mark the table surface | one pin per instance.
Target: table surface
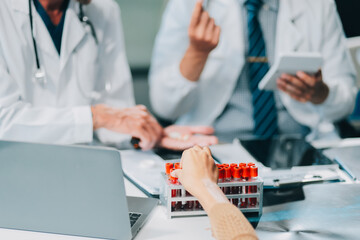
(321, 211)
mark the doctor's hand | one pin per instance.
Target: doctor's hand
(135, 121)
(204, 36)
(179, 138)
(304, 87)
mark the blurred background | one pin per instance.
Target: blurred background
(141, 20)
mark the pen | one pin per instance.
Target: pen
(343, 167)
(135, 142)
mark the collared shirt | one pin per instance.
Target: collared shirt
(55, 31)
(237, 117)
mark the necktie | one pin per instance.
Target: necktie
(265, 114)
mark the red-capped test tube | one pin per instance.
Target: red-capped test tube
(179, 192)
(224, 165)
(168, 167)
(232, 166)
(241, 165)
(221, 177)
(227, 179)
(253, 189)
(245, 177)
(174, 181)
(236, 190)
(188, 205)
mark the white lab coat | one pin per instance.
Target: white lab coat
(306, 25)
(60, 111)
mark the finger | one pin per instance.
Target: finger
(309, 80)
(284, 87)
(207, 150)
(174, 144)
(176, 173)
(204, 20)
(204, 141)
(290, 88)
(216, 35)
(141, 107)
(306, 90)
(195, 18)
(151, 132)
(209, 32)
(157, 127)
(206, 130)
(197, 148)
(297, 83)
(145, 138)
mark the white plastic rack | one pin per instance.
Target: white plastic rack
(179, 203)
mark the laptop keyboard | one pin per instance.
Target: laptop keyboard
(133, 218)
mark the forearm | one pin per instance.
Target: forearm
(193, 63)
(227, 222)
(22, 122)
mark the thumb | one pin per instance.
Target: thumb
(176, 173)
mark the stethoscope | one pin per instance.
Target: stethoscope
(40, 76)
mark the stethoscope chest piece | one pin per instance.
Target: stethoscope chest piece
(40, 77)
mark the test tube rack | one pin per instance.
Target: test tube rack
(184, 205)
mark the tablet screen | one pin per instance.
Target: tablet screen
(285, 153)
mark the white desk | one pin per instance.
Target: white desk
(157, 227)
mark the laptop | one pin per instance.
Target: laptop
(69, 190)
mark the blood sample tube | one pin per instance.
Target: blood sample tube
(242, 165)
(224, 165)
(253, 189)
(174, 181)
(242, 189)
(232, 167)
(168, 167)
(227, 179)
(179, 192)
(222, 177)
(251, 164)
(245, 177)
(177, 165)
(236, 190)
(189, 205)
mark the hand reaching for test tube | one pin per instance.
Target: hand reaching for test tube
(204, 36)
(199, 175)
(183, 137)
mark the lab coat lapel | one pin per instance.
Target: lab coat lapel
(289, 38)
(41, 34)
(73, 33)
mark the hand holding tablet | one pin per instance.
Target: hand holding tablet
(299, 76)
(291, 63)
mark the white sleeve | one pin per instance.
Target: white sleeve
(115, 70)
(171, 94)
(20, 121)
(338, 71)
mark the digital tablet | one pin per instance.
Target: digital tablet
(291, 63)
